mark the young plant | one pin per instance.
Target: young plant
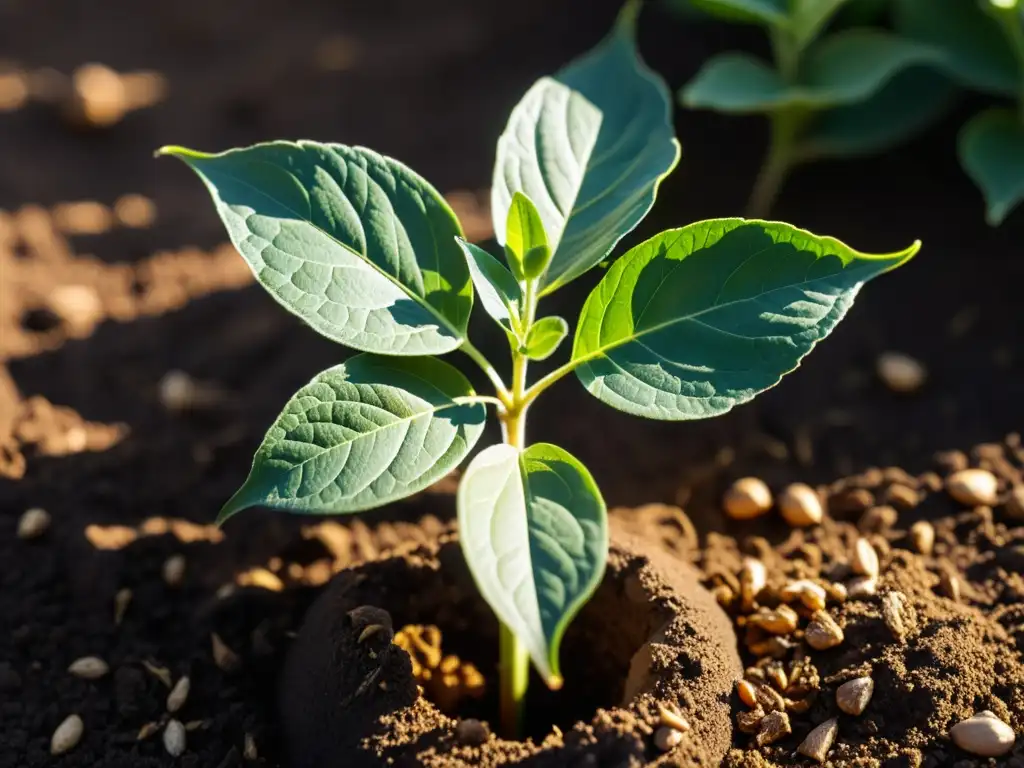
(683, 326)
(848, 93)
(981, 46)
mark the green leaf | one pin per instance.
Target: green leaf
(524, 231)
(354, 243)
(534, 532)
(971, 45)
(544, 337)
(361, 434)
(700, 319)
(809, 17)
(991, 149)
(844, 68)
(498, 290)
(907, 104)
(772, 13)
(589, 146)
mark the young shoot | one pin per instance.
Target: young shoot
(686, 325)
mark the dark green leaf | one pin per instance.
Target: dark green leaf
(534, 532)
(544, 337)
(354, 243)
(991, 149)
(700, 319)
(370, 431)
(773, 13)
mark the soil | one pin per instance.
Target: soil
(650, 638)
(130, 482)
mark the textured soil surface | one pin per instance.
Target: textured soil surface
(102, 295)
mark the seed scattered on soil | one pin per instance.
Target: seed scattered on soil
(747, 693)
(667, 739)
(163, 674)
(773, 727)
(893, 613)
(949, 583)
(819, 741)
(174, 738)
(249, 751)
(878, 519)
(800, 505)
(471, 732)
(823, 632)
(854, 695)
(862, 586)
(33, 523)
(174, 570)
(900, 373)
(922, 535)
(67, 735)
(747, 498)
(147, 730)
(179, 695)
(121, 601)
(1015, 502)
(225, 658)
(753, 578)
(865, 559)
(901, 496)
(983, 734)
(781, 621)
(810, 594)
(672, 719)
(973, 487)
(89, 668)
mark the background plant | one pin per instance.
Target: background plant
(685, 325)
(842, 93)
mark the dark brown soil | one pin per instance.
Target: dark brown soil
(83, 433)
(650, 638)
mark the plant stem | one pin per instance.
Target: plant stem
(781, 155)
(477, 357)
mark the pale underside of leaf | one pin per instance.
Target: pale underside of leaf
(991, 149)
(534, 533)
(698, 320)
(353, 242)
(361, 434)
(589, 147)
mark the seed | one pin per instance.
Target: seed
(249, 751)
(983, 734)
(67, 735)
(177, 391)
(174, 570)
(782, 621)
(163, 674)
(773, 727)
(753, 578)
(471, 732)
(747, 498)
(724, 595)
(973, 487)
(667, 739)
(778, 677)
(178, 695)
(853, 696)
(823, 632)
(922, 534)
(878, 519)
(369, 631)
(672, 719)
(174, 738)
(147, 730)
(33, 523)
(820, 740)
(775, 647)
(89, 668)
(1015, 502)
(901, 496)
(893, 610)
(950, 586)
(747, 693)
(121, 601)
(800, 505)
(900, 373)
(862, 586)
(865, 559)
(810, 594)
(224, 657)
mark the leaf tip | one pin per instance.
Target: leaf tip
(628, 15)
(182, 153)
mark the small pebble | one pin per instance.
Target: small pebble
(747, 498)
(902, 496)
(922, 534)
(178, 695)
(67, 735)
(800, 505)
(174, 570)
(753, 578)
(174, 738)
(471, 732)
(89, 668)
(819, 741)
(973, 487)
(983, 734)
(33, 523)
(810, 594)
(667, 739)
(900, 373)
(950, 585)
(773, 727)
(177, 391)
(854, 695)
(823, 632)
(865, 559)
(781, 621)
(893, 613)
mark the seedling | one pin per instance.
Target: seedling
(981, 46)
(851, 92)
(686, 325)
